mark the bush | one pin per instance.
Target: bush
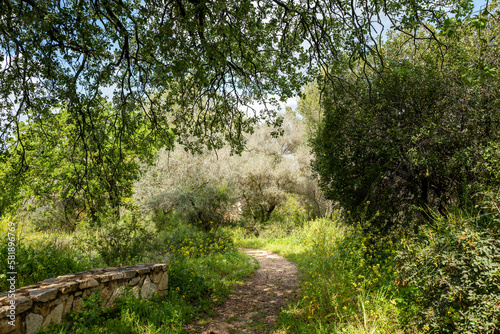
(52, 217)
(206, 206)
(42, 259)
(450, 278)
(290, 214)
(187, 240)
(345, 278)
(122, 241)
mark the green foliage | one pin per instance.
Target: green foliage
(450, 278)
(44, 258)
(206, 206)
(489, 204)
(50, 217)
(346, 279)
(192, 188)
(412, 133)
(310, 109)
(180, 66)
(290, 215)
(215, 189)
(188, 281)
(92, 313)
(185, 67)
(125, 241)
(129, 315)
(187, 240)
(71, 174)
(195, 286)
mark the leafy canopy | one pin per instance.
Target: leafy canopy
(193, 66)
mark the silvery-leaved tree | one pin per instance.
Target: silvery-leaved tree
(214, 188)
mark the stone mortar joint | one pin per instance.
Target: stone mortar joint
(49, 301)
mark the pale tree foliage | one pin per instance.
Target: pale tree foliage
(212, 188)
(194, 186)
(309, 107)
(274, 167)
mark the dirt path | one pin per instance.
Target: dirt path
(254, 306)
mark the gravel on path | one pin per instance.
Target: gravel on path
(254, 306)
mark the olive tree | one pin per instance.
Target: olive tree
(212, 188)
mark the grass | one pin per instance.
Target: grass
(346, 279)
(195, 286)
(203, 269)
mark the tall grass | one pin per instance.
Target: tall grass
(203, 268)
(347, 279)
(196, 284)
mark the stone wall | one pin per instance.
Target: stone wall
(50, 300)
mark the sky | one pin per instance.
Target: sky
(479, 4)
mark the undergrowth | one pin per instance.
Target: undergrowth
(196, 284)
(346, 279)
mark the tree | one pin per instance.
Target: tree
(196, 187)
(82, 173)
(309, 108)
(210, 189)
(415, 134)
(186, 65)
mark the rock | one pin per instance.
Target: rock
(143, 270)
(135, 280)
(162, 267)
(118, 292)
(50, 281)
(55, 316)
(106, 292)
(6, 327)
(148, 288)
(43, 295)
(33, 322)
(129, 273)
(68, 287)
(68, 305)
(156, 276)
(4, 311)
(163, 284)
(88, 282)
(77, 304)
(135, 291)
(23, 304)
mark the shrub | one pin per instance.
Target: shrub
(206, 206)
(290, 214)
(187, 280)
(450, 278)
(47, 217)
(122, 241)
(44, 258)
(345, 278)
(187, 240)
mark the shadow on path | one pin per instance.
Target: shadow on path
(254, 306)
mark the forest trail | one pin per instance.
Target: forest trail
(254, 306)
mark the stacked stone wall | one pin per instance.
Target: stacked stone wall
(35, 306)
